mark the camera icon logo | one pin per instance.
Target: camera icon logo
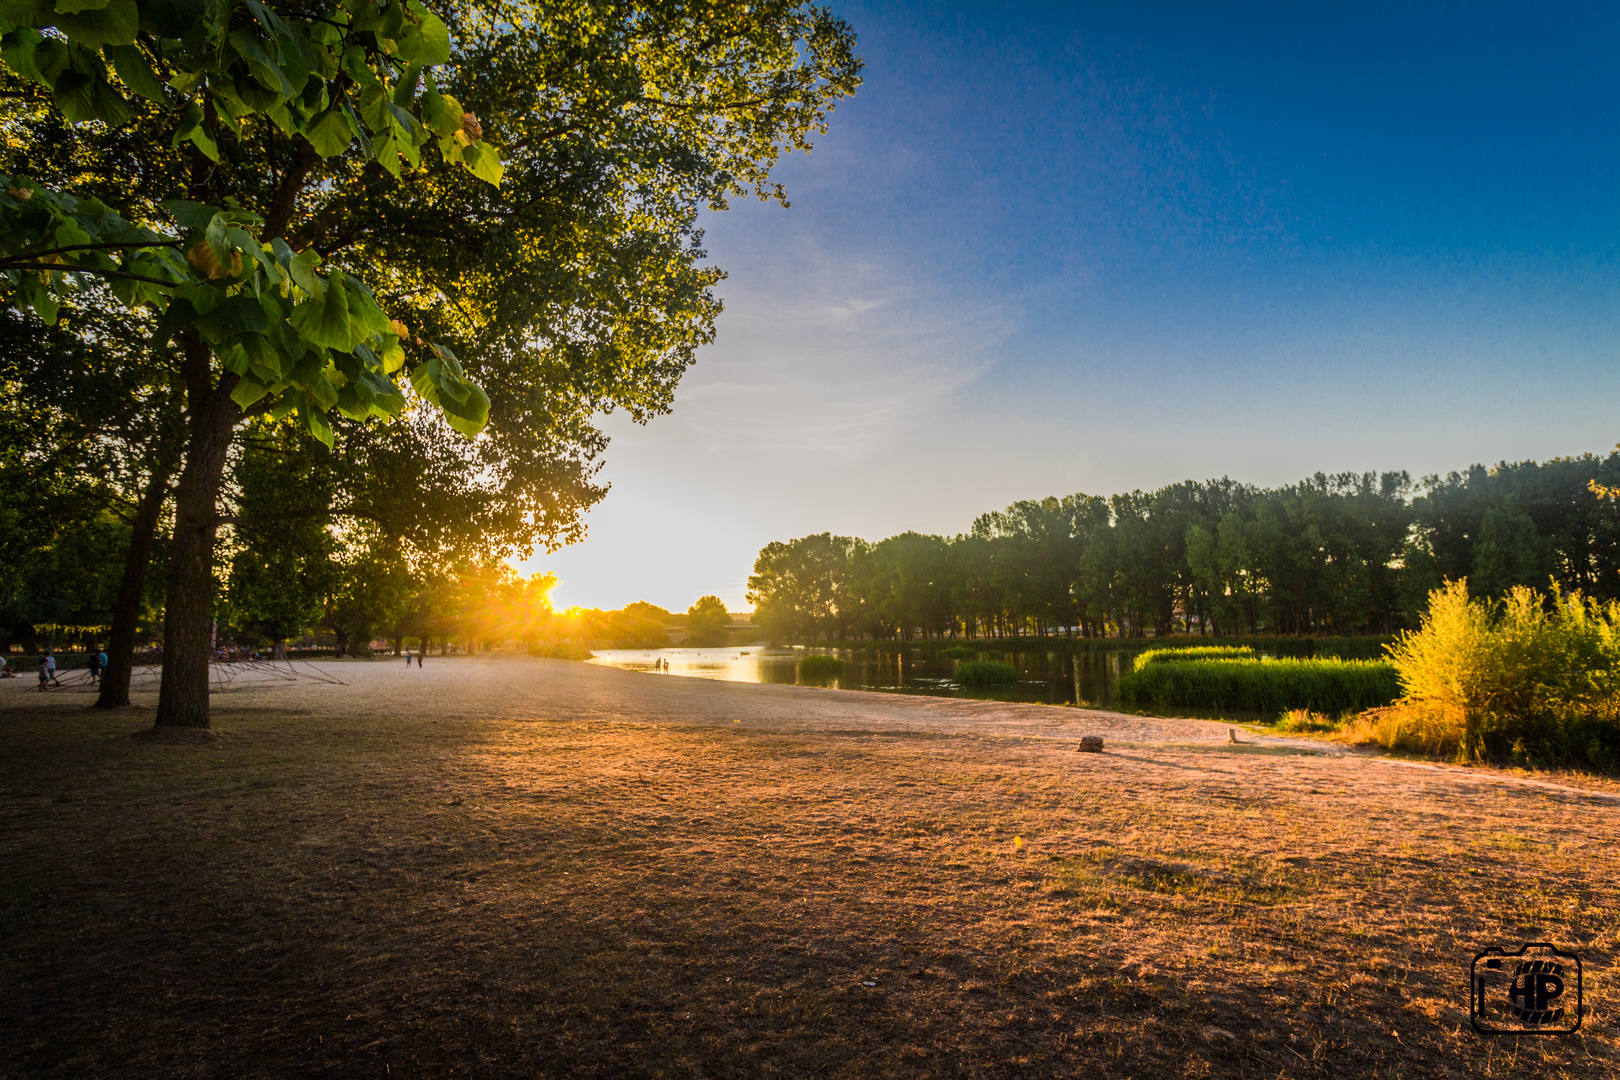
(1534, 991)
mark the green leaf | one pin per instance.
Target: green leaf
(392, 354)
(441, 113)
(374, 110)
(367, 317)
(27, 12)
(71, 7)
(325, 320)
(235, 315)
(83, 96)
(428, 42)
(302, 268)
(193, 217)
(440, 382)
(405, 89)
(324, 389)
(190, 127)
(330, 135)
(484, 162)
(316, 424)
(40, 298)
(248, 391)
(17, 50)
(114, 24)
(132, 66)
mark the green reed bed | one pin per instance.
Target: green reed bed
(986, 673)
(1263, 686)
(820, 668)
(1196, 652)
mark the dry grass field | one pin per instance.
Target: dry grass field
(516, 868)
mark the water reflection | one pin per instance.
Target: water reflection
(1047, 675)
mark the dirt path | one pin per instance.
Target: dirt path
(533, 868)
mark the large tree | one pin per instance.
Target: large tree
(318, 205)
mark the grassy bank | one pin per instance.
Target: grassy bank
(1269, 687)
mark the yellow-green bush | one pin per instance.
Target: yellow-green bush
(1533, 677)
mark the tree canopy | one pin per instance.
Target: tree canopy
(353, 211)
(1347, 554)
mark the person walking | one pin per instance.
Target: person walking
(407, 658)
(95, 662)
(50, 668)
(419, 654)
(44, 675)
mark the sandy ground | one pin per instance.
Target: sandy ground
(518, 868)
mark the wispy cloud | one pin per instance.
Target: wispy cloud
(837, 362)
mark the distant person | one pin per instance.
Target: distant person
(44, 674)
(50, 668)
(98, 660)
(407, 658)
(419, 654)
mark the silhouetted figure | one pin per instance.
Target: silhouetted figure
(44, 675)
(407, 658)
(50, 669)
(97, 660)
(419, 659)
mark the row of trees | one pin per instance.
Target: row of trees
(438, 238)
(389, 536)
(1345, 554)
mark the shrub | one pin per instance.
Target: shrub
(1197, 652)
(820, 668)
(986, 673)
(1262, 686)
(1303, 721)
(1535, 677)
(957, 652)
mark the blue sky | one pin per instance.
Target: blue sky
(1112, 246)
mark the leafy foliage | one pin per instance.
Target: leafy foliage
(340, 76)
(1348, 554)
(707, 622)
(1330, 686)
(1535, 676)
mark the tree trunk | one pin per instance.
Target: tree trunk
(188, 616)
(127, 606)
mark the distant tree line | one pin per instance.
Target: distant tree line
(1345, 554)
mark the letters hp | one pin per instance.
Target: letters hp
(1534, 991)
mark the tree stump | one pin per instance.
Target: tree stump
(1091, 744)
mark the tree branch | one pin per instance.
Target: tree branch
(61, 268)
(97, 247)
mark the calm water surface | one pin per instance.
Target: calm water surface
(1049, 676)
